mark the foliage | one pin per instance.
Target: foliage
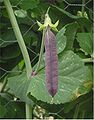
(75, 53)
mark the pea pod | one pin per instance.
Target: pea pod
(51, 62)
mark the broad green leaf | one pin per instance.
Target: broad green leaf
(20, 88)
(20, 13)
(17, 70)
(70, 33)
(86, 42)
(72, 74)
(61, 40)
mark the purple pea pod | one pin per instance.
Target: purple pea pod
(51, 62)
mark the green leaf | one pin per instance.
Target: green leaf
(21, 13)
(29, 4)
(72, 74)
(70, 33)
(2, 111)
(86, 42)
(85, 102)
(9, 52)
(10, 108)
(1, 0)
(61, 40)
(7, 38)
(21, 87)
(86, 106)
(85, 24)
(15, 2)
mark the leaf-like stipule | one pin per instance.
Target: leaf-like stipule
(51, 62)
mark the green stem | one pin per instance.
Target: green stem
(83, 9)
(41, 51)
(22, 47)
(75, 116)
(28, 111)
(19, 37)
(88, 60)
(82, 115)
(48, 10)
(4, 84)
(42, 46)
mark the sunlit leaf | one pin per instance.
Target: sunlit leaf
(70, 34)
(86, 42)
(61, 40)
(72, 74)
(20, 13)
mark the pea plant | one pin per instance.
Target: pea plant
(46, 66)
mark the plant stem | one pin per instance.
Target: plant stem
(41, 51)
(22, 47)
(28, 111)
(88, 60)
(4, 84)
(19, 37)
(83, 9)
(82, 115)
(75, 116)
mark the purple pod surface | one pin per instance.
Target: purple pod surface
(51, 62)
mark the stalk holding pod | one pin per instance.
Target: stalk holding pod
(51, 58)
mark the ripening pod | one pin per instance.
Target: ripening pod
(51, 62)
